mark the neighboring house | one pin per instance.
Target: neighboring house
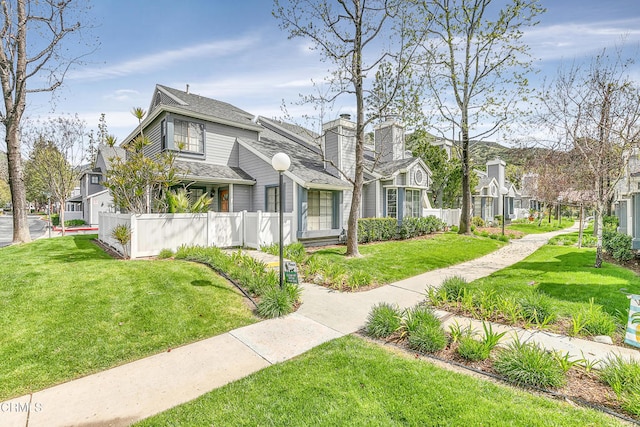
(93, 197)
(627, 201)
(494, 193)
(226, 152)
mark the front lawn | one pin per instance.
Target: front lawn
(567, 275)
(537, 227)
(387, 262)
(353, 382)
(68, 310)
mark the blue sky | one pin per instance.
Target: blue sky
(234, 51)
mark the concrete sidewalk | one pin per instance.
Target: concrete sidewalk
(125, 394)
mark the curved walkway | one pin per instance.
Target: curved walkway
(125, 394)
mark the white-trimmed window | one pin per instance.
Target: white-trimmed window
(272, 202)
(412, 203)
(188, 135)
(392, 202)
(95, 179)
(319, 210)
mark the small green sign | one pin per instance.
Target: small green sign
(290, 272)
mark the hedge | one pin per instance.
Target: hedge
(377, 229)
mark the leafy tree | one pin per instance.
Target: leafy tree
(592, 114)
(33, 58)
(346, 32)
(53, 165)
(474, 52)
(179, 201)
(138, 183)
(96, 140)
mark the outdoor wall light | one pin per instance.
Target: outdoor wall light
(281, 163)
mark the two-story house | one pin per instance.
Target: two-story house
(494, 194)
(227, 153)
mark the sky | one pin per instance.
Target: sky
(234, 51)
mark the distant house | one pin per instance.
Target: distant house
(226, 152)
(627, 201)
(495, 194)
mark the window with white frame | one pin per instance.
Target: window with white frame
(272, 202)
(392, 202)
(319, 210)
(189, 136)
(95, 179)
(412, 203)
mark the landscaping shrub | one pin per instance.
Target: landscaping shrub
(358, 279)
(610, 222)
(529, 365)
(413, 227)
(294, 251)
(278, 302)
(618, 245)
(377, 229)
(476, 221)
(623, 376)
(592, 320)
(472, 349)
(428, 338)
(453, 287)
(417, 316)
(165, 253)
(537, 308)
(55, 221)
(383, 320)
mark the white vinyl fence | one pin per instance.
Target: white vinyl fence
(150, 233)
(69, 215)
(449, 216)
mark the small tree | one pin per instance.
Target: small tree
(136, 182)
(593, 115)
(54, 163)
(122, 233)
(474, 52)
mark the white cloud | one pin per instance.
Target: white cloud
(164, 59)
(122, 95)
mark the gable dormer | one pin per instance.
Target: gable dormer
(162, 96)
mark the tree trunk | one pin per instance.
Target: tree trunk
(465, 213)
(61, 216)
(598, 224)
(580, 230)
(16, 184)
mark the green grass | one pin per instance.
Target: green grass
(544, 227)
(352, 382)
(566, 274)
(68, 309)
(391, 261)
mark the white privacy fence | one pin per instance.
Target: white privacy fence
(69, 215)
(150, 233)
(449, 216)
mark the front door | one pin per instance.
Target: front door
(224, 200)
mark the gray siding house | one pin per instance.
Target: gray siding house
(488, 200)
(227, 152)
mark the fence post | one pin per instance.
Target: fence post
(133, 249)
(257, 230)
(243, 228)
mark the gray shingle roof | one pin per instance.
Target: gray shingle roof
(210, 172)
(389, 168)
(305, 163)
(207, 106)
(109, 152)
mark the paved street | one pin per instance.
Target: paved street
(37, 228)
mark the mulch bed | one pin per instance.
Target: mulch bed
(581, 387)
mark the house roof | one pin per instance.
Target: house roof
(199, 104)
(300, 134)
(306, 167)
(204, 172)
(388, 169)
(109, 152)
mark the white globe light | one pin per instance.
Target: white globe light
(280, 162)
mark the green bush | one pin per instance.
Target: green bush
(610, 222)
(428, 338)
(618, 245)
(593, 320)
(476, 221)
(453, 287)
(413, 227)
(417, 316)
(383, 320)
(529, 365)
(377, 229)
(278, 302)
(623, 376)
(537, 308)
(294, 251)
(358, 279)
(472, 349)
(165, 253)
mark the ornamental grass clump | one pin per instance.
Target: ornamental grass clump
(537, 308)
(413, 318)
(528, 364)
(383, 320)
(278, 302)
(623, 376)
(453, 287)
(428, 338)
